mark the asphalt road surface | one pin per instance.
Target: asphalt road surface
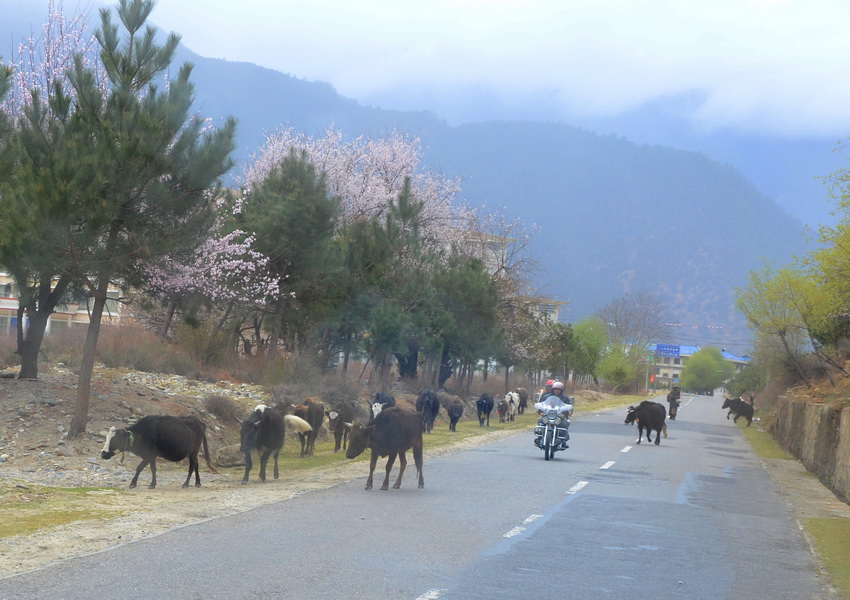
(696, 518)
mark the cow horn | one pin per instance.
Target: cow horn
(237, 419)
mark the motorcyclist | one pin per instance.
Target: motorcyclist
(557, 400)
(547, 389)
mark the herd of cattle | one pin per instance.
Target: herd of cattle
(390, 431)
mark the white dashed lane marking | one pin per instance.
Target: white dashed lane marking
(626, 449)
(577, 487)
(518, 530)
(607, 465)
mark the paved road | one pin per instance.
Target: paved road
(694, 518)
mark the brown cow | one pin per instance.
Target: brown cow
(313, 412)
(391, 433)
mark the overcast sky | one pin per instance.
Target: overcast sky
(761, 66)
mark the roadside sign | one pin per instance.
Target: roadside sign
(669, 350)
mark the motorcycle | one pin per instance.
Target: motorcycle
(552, 431)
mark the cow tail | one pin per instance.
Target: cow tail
(664, 429)
(207, 454)
(301, 426)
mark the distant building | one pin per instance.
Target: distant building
(670, 359)
(67, 314)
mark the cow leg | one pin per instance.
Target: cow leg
(264, 460)
(193, 468)
(153, 474)
(390, 463)
(640, 435)
(303, 438)
(141, 466)
(402, 464)
(657, 437)
(372, 462)
(276, 471)
(248, 464)
(417, 460)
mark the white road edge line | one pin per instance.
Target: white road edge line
(577, 487)
(608, 465)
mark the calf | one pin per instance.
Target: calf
(391, 433)
(650, 416)
(502, 410)
(455, 411)
(740, 408)
(381, 402)
(484, 406)
(161, 436)
(428, 404)
(264, 431)
(340, 418)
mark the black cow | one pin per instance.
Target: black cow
(650, 416)
(391, 433)
(264, 431)
(455, 411)
(340, 418)
(523, 399)
(161, 436)
(428, 404)
(382, 401)
(484, 406)
(740, 408)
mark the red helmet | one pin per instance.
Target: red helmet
(550, 382)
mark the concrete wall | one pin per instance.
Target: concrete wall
(819, 436)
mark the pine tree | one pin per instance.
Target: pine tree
(147, 169)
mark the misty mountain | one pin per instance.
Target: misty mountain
(609, 216)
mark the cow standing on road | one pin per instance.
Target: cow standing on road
(391, 433)
(650, 416)
(161, 436)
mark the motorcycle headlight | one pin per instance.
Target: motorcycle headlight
(552, 414)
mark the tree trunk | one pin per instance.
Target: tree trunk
(277, 329)
(81, 406)
(446, 369)
(169, 316)
(31, 346)
(39, 310)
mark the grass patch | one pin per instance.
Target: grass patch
(832, 542)
(26, 509)
(763, 443)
